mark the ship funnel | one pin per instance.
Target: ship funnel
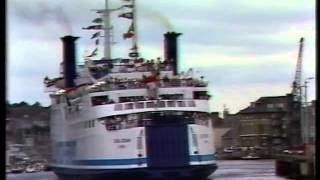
(69, 60)
(171, 49)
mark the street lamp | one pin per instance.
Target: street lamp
(305, 89)
(305, 121)
(303, 111)
(306, 115)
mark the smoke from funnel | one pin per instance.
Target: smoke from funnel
(157, 16)
(62, 18)
(41, 13)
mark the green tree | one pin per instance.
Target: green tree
(37, 104)
(22, 103)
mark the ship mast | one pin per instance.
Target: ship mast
(107, 28)
(134, 21)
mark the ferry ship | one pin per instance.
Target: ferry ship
(114, 117)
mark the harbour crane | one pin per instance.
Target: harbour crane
(296, 86)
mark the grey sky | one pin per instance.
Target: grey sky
(246, 49)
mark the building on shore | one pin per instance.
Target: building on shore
(309, 112)
(271, 122)
(220, 127)
(231, 137)
(27, 133)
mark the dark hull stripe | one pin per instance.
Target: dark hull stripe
(196, 171)
(209, 157)
(106, 162)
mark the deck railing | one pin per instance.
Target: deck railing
(154, 104)
(113, 86)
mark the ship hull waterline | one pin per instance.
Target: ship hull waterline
(189, 172)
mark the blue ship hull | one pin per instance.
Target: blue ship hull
(198, 172)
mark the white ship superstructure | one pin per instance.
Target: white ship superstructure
(129, 116)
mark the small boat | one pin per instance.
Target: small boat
(17, 170)
(251, 156)
(39, 167)
(8, 170)
(30, 169)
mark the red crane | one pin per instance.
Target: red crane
(296, 85)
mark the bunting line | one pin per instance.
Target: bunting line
(93, 27)
(128, 15)
(94, 52)
(95, 35)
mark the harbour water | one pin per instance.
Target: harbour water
(227, 169)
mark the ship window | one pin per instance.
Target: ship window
(129, 106)
(171, 104)
(161, 104)
(118, 107)
(131, 99)
(200, 95)
(171, 96)
(191, 104)
(150, 104)
(139, 105)
(99, 100)
(181, 104)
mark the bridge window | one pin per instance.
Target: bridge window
(100, 100)
(139, 105)
(171, 104)
(122, 122)
(118, 107)
(171, 96)
(161, 104)
(131, 99)
(200, 95)
(191, 104)
(129, 106)
(181, 104)
(151, 104)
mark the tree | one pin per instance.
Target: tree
(37, 104)
(22, 103)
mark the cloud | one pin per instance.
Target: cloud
(246, 48)
(39, 13)
(237, 97)
(28, 89)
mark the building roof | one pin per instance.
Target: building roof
(220, 123)
(230, 133)
(260, 105)
(25, 117)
